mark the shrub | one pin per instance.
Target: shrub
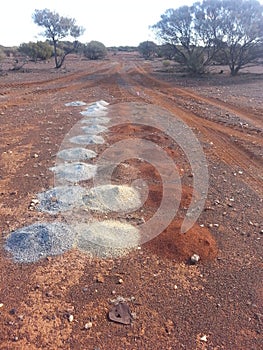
(40, 50)
(148, 49)
(95, 50)
(166, 63)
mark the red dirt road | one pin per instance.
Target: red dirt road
(215, 304)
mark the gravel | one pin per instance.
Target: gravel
(95, 120)
(74, 172)
(106, 239)
(39, 240)
(87, 139)
(75, 104)
(116, 198)
(60, 199)
(76, 154)
(94, 129)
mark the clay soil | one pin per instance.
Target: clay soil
(214, 304)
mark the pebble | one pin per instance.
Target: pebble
(71, 318)
(88, 325)
(204, 338)
(195, 258)
(100, 278)
(35, 201)
(1, 305)
(120, 281)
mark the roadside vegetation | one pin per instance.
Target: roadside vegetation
(95, 50)
(222, 31)
(211, 32)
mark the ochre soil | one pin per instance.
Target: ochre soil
(214, 304)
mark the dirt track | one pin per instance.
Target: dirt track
(221, 297)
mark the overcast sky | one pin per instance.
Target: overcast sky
(113, 22)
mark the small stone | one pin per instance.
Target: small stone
(100, 278)
(204, 338)
(120, 281)
(34, 201)
(1, 305)
(195, 258)
(169, 326)
(175, 287)
(70, 318)
(88, 325)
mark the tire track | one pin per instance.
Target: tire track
(221, 136)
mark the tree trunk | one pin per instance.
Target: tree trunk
(60, 63)
(234, 70)
(55, 54)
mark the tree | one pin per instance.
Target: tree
(2, 56)
(57, 28)
(192, 44)
(204, 31)
(167, 51)
(241, 37)
(95, 50)
(39, 50)
(147, 49)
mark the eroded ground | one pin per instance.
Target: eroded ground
(215, 304)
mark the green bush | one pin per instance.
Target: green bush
(166, 63)
(95, 50)
(36, 51)
(148, 49)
